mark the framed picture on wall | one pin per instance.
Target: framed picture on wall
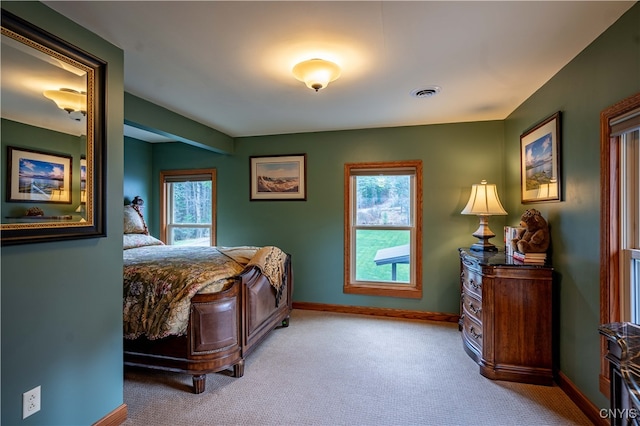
(38, 177)
(83, 173)
(279, 177)
(540, 171)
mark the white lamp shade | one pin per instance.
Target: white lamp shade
(484, 201)
(548, 190)
(59, 195)
(316, 73)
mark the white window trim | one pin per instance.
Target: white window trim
(629, 223)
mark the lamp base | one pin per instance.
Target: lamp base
(483, 246)
(483, 234)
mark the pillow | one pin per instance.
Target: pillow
(134, 222)
(139, 240)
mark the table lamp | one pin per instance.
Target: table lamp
(484, 202)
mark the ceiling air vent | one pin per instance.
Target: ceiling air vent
(427, 92)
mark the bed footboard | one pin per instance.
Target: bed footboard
(213, 341)
(262, 312)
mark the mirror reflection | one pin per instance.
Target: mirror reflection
(44, 135)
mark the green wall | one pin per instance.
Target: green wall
(61, 307)
(603, 74)
(147, 116)
(454, 157)
(138, 170)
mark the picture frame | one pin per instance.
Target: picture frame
(278, 177)
(540, 167)
(83, 173)
(38, 177)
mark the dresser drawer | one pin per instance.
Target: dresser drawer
(471, 282)
(472, 307)
(472, 332)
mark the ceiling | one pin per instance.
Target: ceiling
(228, 65)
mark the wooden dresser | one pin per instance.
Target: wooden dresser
(506, 316)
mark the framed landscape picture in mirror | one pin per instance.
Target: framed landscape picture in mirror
(53, 137)
(280, 177)
(38, 177)
(540, 169)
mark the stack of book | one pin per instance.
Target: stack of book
(510, 232)
(539, 258)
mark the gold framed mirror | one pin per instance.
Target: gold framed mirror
(53, 137)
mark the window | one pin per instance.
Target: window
(629, 215)
(383, 229)
(616, 258)
(188, 200)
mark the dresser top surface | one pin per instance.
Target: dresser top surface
(497, 258)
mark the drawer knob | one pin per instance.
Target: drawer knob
(475, 335)
(473, 309)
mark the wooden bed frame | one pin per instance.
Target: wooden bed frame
(223, 329)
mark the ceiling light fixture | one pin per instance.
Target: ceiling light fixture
(68, 99)
(316, 73)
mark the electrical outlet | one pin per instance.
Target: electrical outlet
(30, 402)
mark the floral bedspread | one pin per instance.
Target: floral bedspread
(159, 282)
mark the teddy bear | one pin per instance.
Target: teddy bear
(534, 237)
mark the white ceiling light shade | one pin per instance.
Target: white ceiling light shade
(68, 99)
(316, 73)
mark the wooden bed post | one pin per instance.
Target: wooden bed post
(199, 382)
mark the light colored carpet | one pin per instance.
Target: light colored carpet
(339, 369)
